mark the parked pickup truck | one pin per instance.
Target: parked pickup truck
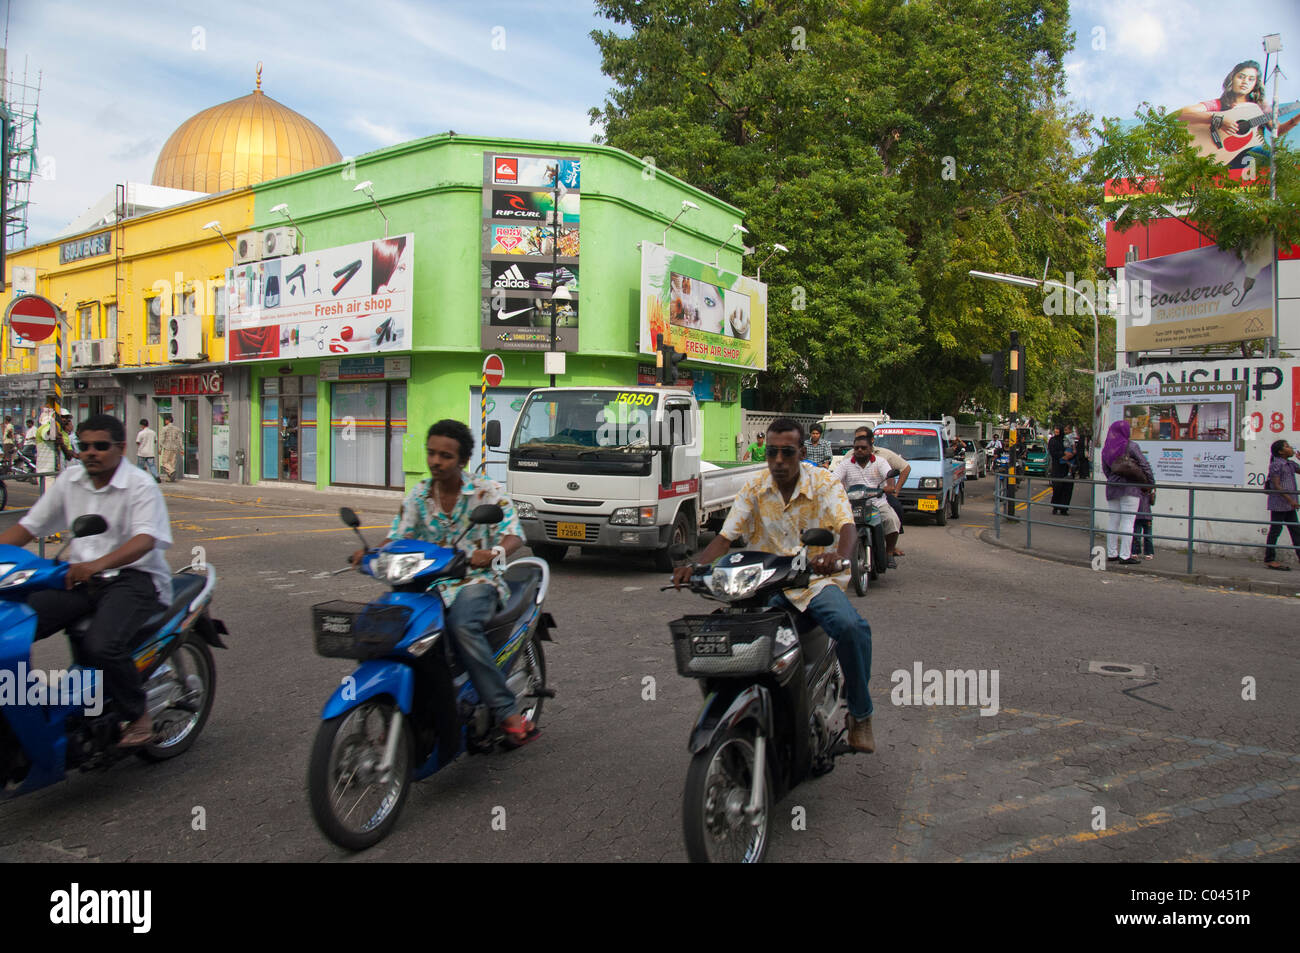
(937, 485)
(615, 468)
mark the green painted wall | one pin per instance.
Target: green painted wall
(433, 188)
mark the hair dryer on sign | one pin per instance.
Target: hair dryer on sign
(367, 332)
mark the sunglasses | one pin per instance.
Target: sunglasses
(100, 445)
(774, 452)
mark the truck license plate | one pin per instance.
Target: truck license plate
(571, 530)
(925, 506)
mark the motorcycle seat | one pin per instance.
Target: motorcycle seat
(185, 586)
(523, 580)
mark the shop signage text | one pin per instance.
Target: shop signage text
(87, 247)
(209, 383)
(365, 369)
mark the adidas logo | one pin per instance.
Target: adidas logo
(512, 277)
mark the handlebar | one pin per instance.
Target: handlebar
(699, 572)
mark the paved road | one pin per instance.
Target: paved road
(1181, 765)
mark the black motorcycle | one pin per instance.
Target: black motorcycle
(871, 552)
(774, 703)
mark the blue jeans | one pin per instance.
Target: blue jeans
(832, 610)
(466, 618)
(149, 465)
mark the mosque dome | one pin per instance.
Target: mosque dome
(242, 142)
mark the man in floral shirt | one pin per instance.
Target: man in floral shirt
(437, 511)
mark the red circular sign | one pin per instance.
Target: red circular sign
(33, 317)
(494, 370)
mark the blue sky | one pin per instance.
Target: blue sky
(118, 78)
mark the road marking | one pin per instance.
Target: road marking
(1263, 844)
(289, 516)
(341, 529)
(307, 592)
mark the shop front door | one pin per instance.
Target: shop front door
(191, 428)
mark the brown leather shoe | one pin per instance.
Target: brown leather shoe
(860, 736)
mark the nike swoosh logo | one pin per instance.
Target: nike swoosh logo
(502, 315)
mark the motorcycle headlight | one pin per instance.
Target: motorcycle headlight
(16, 579)
(399, 568)
(739, 582)
(525, 511)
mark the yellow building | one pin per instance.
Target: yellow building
(141, 293)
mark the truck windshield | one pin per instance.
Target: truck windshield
(576, 419)
(839, 438)
(910, 444)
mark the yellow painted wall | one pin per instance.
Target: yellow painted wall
(159, 251)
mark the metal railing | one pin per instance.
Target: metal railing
(1013, 502)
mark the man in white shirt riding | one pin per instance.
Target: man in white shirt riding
(138, 532)
(864, 468)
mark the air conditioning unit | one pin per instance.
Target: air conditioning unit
(81, 353)
(184, 337)
(278, 242)
(103, 352)
(248, 247)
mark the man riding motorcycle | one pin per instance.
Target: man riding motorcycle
(864, 467)
(437, 511)
(138, 533)
(771, 511)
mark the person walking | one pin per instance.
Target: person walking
(47, 440)
(1282, 502)
(172, 446)
(146, 450)
(1062, 458)
(1142, 539)
(10, 441)
(1127, 474)
(29, 441)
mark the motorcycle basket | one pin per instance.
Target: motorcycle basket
(356, 630)
(721, 645)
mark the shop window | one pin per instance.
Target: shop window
(218, 308)
(367, 426)
(153, 313)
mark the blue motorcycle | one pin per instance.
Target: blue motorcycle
(52, 722)
(409, 709)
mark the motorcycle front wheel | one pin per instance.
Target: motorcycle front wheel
(718, 786)
(353, 804)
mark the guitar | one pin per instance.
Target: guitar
(1224, 146)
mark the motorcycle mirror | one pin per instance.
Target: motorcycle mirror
(817, 537)
(91, 524)
(349, 518)
(487, 513)
(494, 433)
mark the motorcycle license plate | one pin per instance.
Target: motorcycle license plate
(571, 530)
(927, 506)
(711, 645)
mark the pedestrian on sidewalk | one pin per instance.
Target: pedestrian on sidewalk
(1142, 541)
(1128, 474)
(1062, 459)
(1282, 502)
(146, 450)
(172, 447)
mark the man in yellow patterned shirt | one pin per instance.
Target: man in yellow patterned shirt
(771, 512)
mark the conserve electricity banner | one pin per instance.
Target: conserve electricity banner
(354, 299)
(709, 313)
(1190, 432)
(1204, 296)
(531, 244)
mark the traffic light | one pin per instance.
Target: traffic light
(666, 360)
(1018, 376)
(997, 363)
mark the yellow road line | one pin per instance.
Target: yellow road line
(221, 519)
(341, 529)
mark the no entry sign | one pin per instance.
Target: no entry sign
(494, 370)
(32, 317)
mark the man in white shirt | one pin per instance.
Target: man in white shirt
(864, 468)
(146, 449)
(138, 532)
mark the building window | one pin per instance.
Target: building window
(367, 429)
(110, 317)
(218, 308)
(153, 308)
(87, 320)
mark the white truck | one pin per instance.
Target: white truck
(616, 468)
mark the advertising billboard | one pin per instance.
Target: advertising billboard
(1199, 297)
(1189, 432)
(531, 248)
(709, 313)
(354, 299)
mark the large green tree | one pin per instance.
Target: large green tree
(891, 147)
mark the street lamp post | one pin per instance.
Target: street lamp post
(1023, 282)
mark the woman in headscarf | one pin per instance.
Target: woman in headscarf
(1126, 470)
(1062, 458)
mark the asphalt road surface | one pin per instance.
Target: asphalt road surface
(1195, 759)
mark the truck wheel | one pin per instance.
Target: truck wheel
(956, 505)
(551, 552)
(941, 515)
(683, 532)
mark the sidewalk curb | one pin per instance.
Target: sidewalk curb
(286, 497)
(1239, 583)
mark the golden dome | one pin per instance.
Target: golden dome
(242, 142)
